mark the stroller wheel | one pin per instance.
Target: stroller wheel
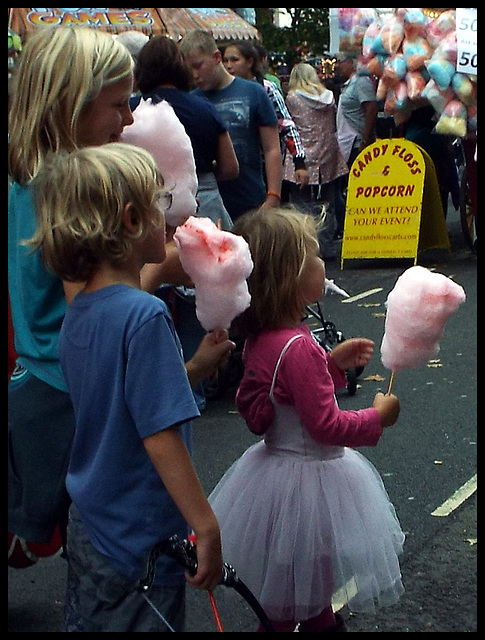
(227, 377)
(351, 375)
(214, 387)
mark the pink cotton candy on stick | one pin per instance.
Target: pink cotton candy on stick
(219, 262)
(418, 308)
(158, 130)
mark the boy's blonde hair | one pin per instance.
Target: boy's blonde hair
(80, 201)
(198, 39)
(60, 71)
(279, 240)
(305, 78)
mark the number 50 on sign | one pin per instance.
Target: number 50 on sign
(466, 37)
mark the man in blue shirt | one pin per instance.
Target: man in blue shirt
(250, 119)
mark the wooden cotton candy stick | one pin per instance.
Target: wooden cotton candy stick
(391, 383)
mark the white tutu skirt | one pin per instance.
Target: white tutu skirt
(302, 533)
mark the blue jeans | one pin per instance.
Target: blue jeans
(41, 428)
(98, 599)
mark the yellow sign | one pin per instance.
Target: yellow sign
(384, 198)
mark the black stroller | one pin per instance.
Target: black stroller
(324, 332)
(328, 336)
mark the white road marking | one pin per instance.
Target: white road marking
(344, 594)
(364, 294)
(460, 495)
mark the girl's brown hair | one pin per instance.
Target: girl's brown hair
(279, 241)
(161, 62)
(248, 51)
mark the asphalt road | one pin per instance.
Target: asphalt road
(424, 459)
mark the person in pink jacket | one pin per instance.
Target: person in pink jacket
(312, 108)
(302, 514)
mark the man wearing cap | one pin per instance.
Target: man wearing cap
(357, 108)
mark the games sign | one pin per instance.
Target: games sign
(102, 17)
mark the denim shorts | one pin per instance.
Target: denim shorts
(99, 599)
(41, 426)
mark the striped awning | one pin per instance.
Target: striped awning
(224, 24)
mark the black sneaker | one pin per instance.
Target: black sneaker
(340, 626)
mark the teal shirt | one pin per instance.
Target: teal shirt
(37, 297)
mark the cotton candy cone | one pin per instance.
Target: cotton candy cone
(157, 129)
(218, 262)
(418, 308)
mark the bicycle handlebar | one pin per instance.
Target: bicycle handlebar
(185, 553)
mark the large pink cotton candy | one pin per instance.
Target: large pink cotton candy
(417, 310)
(219, 262)
(158, 130)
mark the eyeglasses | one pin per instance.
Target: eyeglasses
(164, 200)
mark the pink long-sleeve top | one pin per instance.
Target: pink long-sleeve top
(307, 379)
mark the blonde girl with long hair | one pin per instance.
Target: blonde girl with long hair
(71, 88)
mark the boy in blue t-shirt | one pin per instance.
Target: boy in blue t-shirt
(130, 476)
(251, 120)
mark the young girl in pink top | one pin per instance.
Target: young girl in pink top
(302, 514)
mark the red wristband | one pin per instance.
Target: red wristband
(274, 194)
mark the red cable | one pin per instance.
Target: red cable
(193, 539)
(215, 611)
